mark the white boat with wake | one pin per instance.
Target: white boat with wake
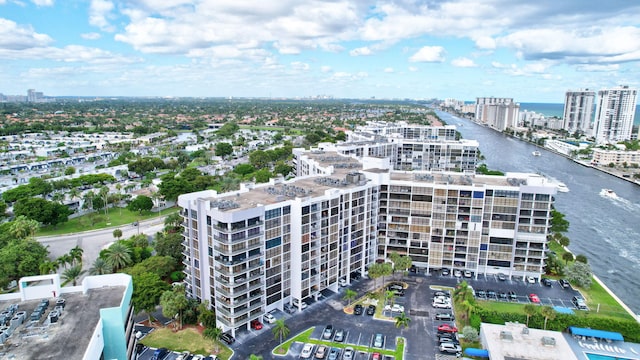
(608, 193)
(561, 187)
(536, 153)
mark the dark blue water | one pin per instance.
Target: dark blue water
(607, 231)
(549, 109)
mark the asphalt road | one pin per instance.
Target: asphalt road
(93, 241)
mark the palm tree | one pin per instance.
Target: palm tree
(173, 220)
(117, 233)
(280, 330)
(467, 306)
(567, 257)
(100, 267)
(104, 194)
(64, 260)
(549, 314)
(349, 295)
(530, 310)
(403, 321)
(76, 255)
(72, 274)
(213, 334)
(74, 193)
(463, 293)
(389, 296)
(118, 256)
(49, 267)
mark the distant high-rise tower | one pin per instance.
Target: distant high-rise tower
(499, 113)
(578, 111)
(615, 114)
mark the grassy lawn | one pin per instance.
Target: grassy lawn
(185, 340)
(116, 217)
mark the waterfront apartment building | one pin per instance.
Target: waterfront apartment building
(267, 245)
(498, 113)
(578, 111)
(618, 157)
(615, 114)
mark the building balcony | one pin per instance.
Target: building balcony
(224, 250)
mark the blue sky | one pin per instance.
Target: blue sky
(532, 51)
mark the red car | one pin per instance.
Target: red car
(375, 356)
(447, 328)
(256, 325)
(534, 298)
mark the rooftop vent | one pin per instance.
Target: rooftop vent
(506, 336)
(525, 331)
(548, 341)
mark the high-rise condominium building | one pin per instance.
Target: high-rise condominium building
(578, 111)
(615, 114)
(498, 113)
(254, 250)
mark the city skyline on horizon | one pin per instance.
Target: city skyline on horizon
(532, 52)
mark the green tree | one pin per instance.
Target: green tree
(529, 310)
(100, 267)
(70, 171)
(117, 233)
(549, 314)
(224, 149)
(470, 333)
(259, 159)
(19, 258)
(118, 255)
(564, 241)
(174, 302)
(76, 255)
(41, 210)
(72, 274)
(389, 297)
(213, 334)
(349, 295)
(262, 176)
(280, 330)
(159, 265)
(580, 274)
(49, 267)
(169, 244)
(558, 223)
(23, 227)
(567, 257)
(581, 258)
(244, 169)
(403, 321)
(206, 315)
(173, 220)
(140, 203)
(147, 289)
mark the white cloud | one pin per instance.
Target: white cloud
(485, 43)
(463, 62)
(598, 67)
(43, 2)
(325, 69)
(388, 70)
(90, 36)
(20, 37)
(297, 65)
(361, 51)
(99, 14)
(428, 54)
(413, 68)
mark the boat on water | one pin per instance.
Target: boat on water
(608, 193)
(536, 153)
(562, 187)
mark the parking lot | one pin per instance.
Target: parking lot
(360, 330)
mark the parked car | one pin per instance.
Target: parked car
(376, 356)
(339, 336)
(534, 298)
(371, 310)
(395, 286)
(481, 293)
(579, 303)
(342, 282)
(447, 328)
(300, 303)
(502, 295)
(531, 280)
(348, 354)
(513, 295)
(441, 293)
(441, 305)
(564, 283)
(442, 335)
(453, 340)
(328, 332)
(457, 273)
(358, 309)
(444, 272)
(333, 354)
(159, 354)
(321, 352)
(307, 351)
(450, 348)
(394, 308)
(183, 355)
(491, 294)
(288, 308)
(546, 282)
(226, 337)
(468, 274)
(269, 318)
(378, 341)
(256, 325)
(445, 316)
(502, 277)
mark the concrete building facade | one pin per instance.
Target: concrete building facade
(615, 114)
(578, 111)
(498, 113)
